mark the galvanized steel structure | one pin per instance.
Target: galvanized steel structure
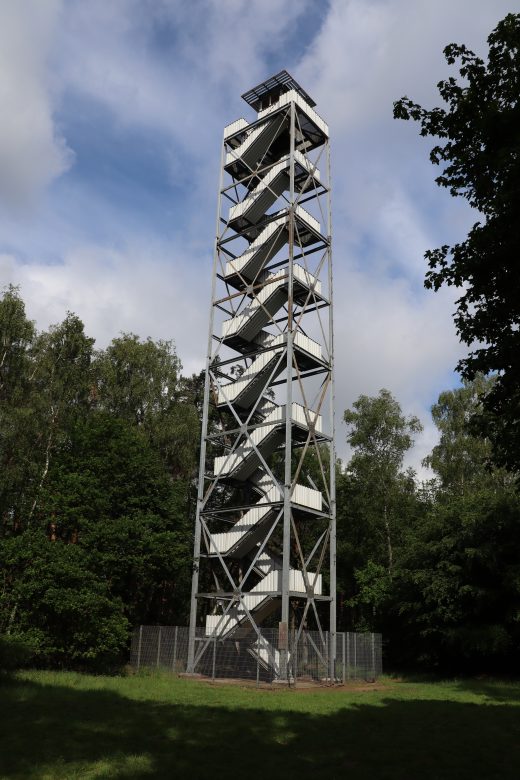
(265, 534)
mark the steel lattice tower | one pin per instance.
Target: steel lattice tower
(265, 534)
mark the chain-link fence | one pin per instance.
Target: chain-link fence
(260, 658)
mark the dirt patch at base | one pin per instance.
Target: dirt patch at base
(302, 686)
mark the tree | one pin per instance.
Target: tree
(16, 415)
(455, 598)
(110, 495)
(16, 334)
(65, 614)
(480, 152)
(61, 388)
(96, 461)
(109, 547)
(376, 502)
(380, 436)
(46, 384)
(455, 594)
(139, 381)
(462, 459)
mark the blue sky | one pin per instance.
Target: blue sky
(112, 117)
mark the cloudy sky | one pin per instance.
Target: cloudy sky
(112, 116)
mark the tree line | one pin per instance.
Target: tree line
(433, 565)
(98, 468)
(97, 456)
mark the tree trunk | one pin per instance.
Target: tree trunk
(43, 476)
(11, 618)
(388, 539)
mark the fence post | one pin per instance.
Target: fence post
(159, 647)
(373, 648)
(355, 655)
(343, 656)
(174, 662)
(214, 655)
(139, 645)
(295, 663)
(327, 654)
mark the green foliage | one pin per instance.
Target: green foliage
(376, 501)
(460, 459)
(16, 334)
(57, 605)
(373, 586)
(53, 390)
(450, 599)
(16, 412)
(138, 381)
(459, 583)
(379, 432)
(380, 435)
(110, 495)
(16, 652)
(481, 159)
(97, 451)
(458, 587)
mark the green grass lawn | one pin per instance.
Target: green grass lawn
(65, 725)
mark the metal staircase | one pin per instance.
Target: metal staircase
(270, 347)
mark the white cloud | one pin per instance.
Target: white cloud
(370, 52)
(141, 290)
(177, 69)
(32, 153)
(389, 334)
(170, 65)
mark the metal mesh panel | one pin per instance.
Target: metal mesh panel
(164, 647)
(228, 658)
(358, 656)
(310, 656)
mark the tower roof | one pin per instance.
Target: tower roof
(275, 86)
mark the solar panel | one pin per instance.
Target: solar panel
(282, 82)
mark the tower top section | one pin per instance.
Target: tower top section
(269, 91)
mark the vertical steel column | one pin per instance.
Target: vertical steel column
(284, 652)
(202, 460)
(332, 452)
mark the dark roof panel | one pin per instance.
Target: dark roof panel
(282, 82)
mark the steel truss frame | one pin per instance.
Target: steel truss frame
(238, 434)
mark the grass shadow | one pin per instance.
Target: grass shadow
(53, 731)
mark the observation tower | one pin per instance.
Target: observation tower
(265, 535)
